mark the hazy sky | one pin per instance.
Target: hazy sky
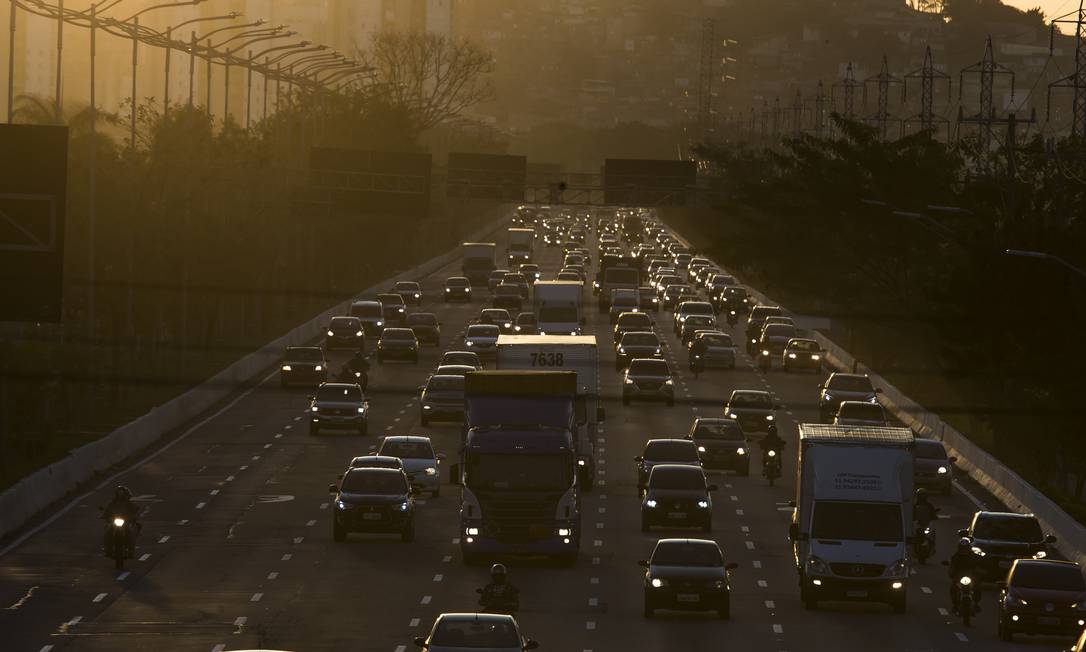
(1052, 8)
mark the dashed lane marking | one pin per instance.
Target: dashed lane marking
(757, 564)
(593, 602)
(769, 604)
(401, 648)
(744, 528)
(595, 561)
(590, 625)
(255, 458)
(229, 478)
(164, 538)
(286, 557)
(446, 559)
(734, 499)
(298, 540)
(750, 545)
(426, 599)
(310, 523)
(145, 556)
(777, 629)
(240, 621)
(214, 492)
(738, 512)
(456, 541)
(267, 446)
(256, 597)
(594, 580)
(123, 576)
(962, 637)
(46, 648)
(926, 590)
(99, 597)
(219, 648)
(763, 584)
(243, 467)
(943, 611)
(201, 505)
(438, 577)
(414, 622)
(273, 575)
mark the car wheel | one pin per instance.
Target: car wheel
(899, 604)
(282, 383)
(415, 359)
(625, 400)
(338, 533)
(707, 526)
(436, 493)
(645, 524)
(745, 471)
(408, 534)
(380, 359)
(671, 402)
(471, 559)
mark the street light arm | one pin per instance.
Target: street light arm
(188, 3)
(230, 16)
(253, 32)
(255, 23)
(285, 55)
(1044, 255)
(293, 46)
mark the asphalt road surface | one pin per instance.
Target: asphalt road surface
(237, 552)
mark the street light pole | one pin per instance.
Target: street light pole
(192, 64)
(60, 58)
(192, 53)
(248, 90)
(135, 58)
(11, 63)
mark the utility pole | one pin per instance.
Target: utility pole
(11, 64)
(986, 69)
(883, 81)
(60, 60)
(927, 74)
(705, 77)
(1077, 79)
(776, 118)
(797, 113)
(847, 88)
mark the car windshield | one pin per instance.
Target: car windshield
(498, 274)
(621, 275)
(643, 367)
(526, 319)
(1054, 577)
(696, 308)
(366, 310)
(856, 521)
(673, 450)
(803, 345)
(558, 314)
(699, 321)
(751, 401)
(517, 472)
(390, 299)
(1016, 528)
(422, 319)
(722, 430)
(495, 315)
(374, 481)
(482, 330)
(343, 324)
(761, 312)
(304, 355)
(634, 320)
(408, 450)
(460, 357)
(929, 450)
(407, 286)
(568, 276)
(864, 411)
(732, 291)
(850, 384)
(515, 279)
(640, 339)
(445, 384)
(397, 334)
(717, 340)
(678, 553)
(779, 330)
(335, 392)
(458, 282)
(677, 478)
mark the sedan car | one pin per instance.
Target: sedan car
(303, 365)
(421, 464)
(442, 398)
(531, 272)
(709, 350)
(687, 575)
(721, 443)
(345, 333)
(526, 324)
(637, 344)
(623, 300)
(771, 343)
(752, 409)
(677, 494)
(397, 344)
(508, 296)
(688, 308)
(457, 288)
(1001, 537)
(475, 633)
(375, 461)
(373, 501)
(338, 406)
(648, 379)
(482, 339)
(733, 297)
(802, 353)
(369, 313)
(932, 467)
(859, 414)
(495, 278)
(694, 324)
(497, 317)
(519, 280)
(425, 326)
(393, 308)
(1042, 596)
(466, 358)
(629, 322)
(844, 387)
(647, 299)
(665, 451)
(409, 291)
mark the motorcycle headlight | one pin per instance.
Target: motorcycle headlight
(516, 328)
(118, 522)
(341, 505)
(978, 552)
(733, 415)
(655, 300)
(669, 382)
(431, 470)
(318, 368)
(448, 289)
(682, 319)
(941, 470)
(771, 453)
(1040, 554)
(468, 290)
(564, 531)
(701, 449)
(816, 566)
(403, 506)
(765, 352)
(286, 367)
(827, 396)
(704, 504)
(331, 334)
(657, 582)
(508, 324)
(469, 343)
(1079, 606)
(574, 333)
(740, 451)
(314, 409)
(399, 310)
(650, 503)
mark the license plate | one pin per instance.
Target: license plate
(857, 593)
(1047, 620)
(688, 597)
(676, 514)
(372, 516)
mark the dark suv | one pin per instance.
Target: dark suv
(373, 500)
(1001, 537)
(397, 344)
(345, 333)
(1042, 596)
(303, 365)
(721, 444)
(340, 406)
(677, 494)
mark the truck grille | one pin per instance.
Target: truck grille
(857, 570)
(512, 518)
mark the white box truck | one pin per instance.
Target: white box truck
(564, 353)
(558, 307)
(852, 523)
(519, 249)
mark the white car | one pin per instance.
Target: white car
(482, 339)
(475, 632)
(420, 463)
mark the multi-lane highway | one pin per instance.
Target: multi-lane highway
(237, 552)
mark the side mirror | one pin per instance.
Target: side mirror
(963, 532)
(333, 488)
(731, 566)
(420, 641)
(711, 487)
(643, 563)
(952, 459)
(1050, 538)
(531, 645)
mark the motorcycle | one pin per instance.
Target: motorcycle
(117, 540)
(771, 466)
(504, 603)
(355, 376)
(733, 318)
(924, 543)
(765, 361)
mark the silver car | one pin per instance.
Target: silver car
(420, 463)
(462, 358)
(859, 413)
(482, 339)
(648, 379)
(463, 632)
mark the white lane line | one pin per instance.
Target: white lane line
(273, 575)
(201, 505)
(744, 528)
(593, 602)
(456, 541)
(595, 561)
(267, 446)
(240, 621)
(750, 545)
(243, 467)
(310, 523)
(926, 590)
(46, 648)
(769, 604)
(734, 499)
(214, 492)
(286, 557)
(255, 458)
(164, 538)
(598, 543)
(99, 597)
(297, 418)
(438, 577)
(590, 625)
(594, 580)
(229, 478)
(446, 559)
(183, 521)
(414, 622)
(599, 526)
(288, 426)
(256, 597)
(401, 648)
(965, 492)
(219, 648)
(738, 512)
(279, 435)
(603, 510)
(777, 629)
(943, 611)
(426, 599)
(74, 621)
(763, 584)
(324, 506)
(145, 556)
(298, 540)
(962, 637)
(123, 576)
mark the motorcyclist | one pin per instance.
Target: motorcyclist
(923, 511)
(963, 563)
(733, 317)
(771, 442)
(500, 595)
(121, 505)
(357, 364)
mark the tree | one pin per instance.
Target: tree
(431, 77)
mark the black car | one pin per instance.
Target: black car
(339, 406)
(397, 344)
(442, 399)
(772, 341)
(629, 322)
(526, 324)
(802, 353)
(677, 494)
(303, 365)
(648, 299)
(393, 308)
(425, 326)
(756, 320)
(1042, 596)
(345, 333)
(687, 575)
(637, 344)
(753, 409)
(932, 467)
(497, 317)
(1001, 537)
(734, 298)
(507, 296)
(664, 451)
(457, 288)
(409, 291)
(373, 500)
(371, 316)
(844, 387)
(721, 443)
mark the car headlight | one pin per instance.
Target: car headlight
(448, 289)
(771, 453)
(965, 580)
(669, 382)
(314, 409)
(740, 451)
(655, 300)
(469, 343)
(380, 323)
(516, 328)
(286, 367)
(359, 334)
(573, 332)
(1015, 601)
(765, 352)
(627, 381)
(621, 350)
(942, 470)
(978, 552)
(341, 505)
(701, 449)
(898, 569)
(1079, 606)
(431, 470)
(418, 296)
(753, 341)
(1040, 554)
(769, 417)
(331, 334)
(657, 582)
(733, 415)
(791, 356)
(650, 503)
(403, 506)
(508, 324)
(815, 356)
(318, 368)
(565, 531)
(399, 310)
(827, 397)
(118, 522)
(704, 504)
(468, 290)
(657, 350)
(682, 319)
(815, 566)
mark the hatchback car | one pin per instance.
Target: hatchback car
(495, 278)
(647, 299)
(694, 324)
(466, 358)
(677, 494)
(369, 313)
(345, 333)
(303, 365)
(932, 467)
(802, 353)
(665, 451)
(442, 398)
(508, 296)
(629, 322)
(425, 326)
(393, 308)
(637, 344)
(457, 288)
(752, 409)
(397, 344)
(526, 324)
(421, 464)
(373, 501)
(338, 406)
(844, 387)
(1042, 596)
(482, 339)
(1001, 537)
(859, 414)
(409, 291)
(687, 575)
(475, 632)
(709, 350)
(648, 379)
(721, 443)
(688, 308)
(623, 300)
